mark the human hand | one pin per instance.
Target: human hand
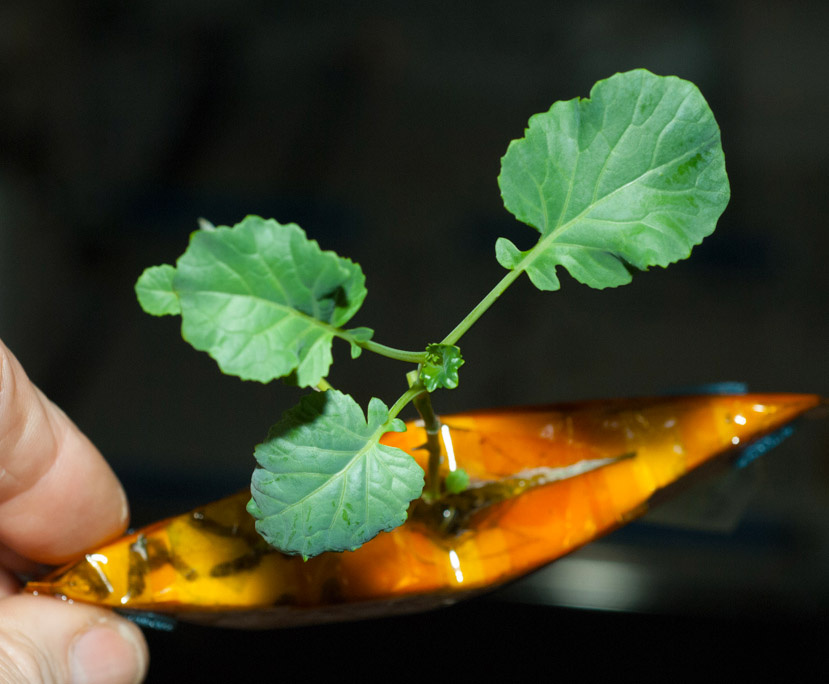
(58, 498)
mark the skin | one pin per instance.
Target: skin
(58, 498)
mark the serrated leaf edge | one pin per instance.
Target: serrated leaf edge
(506, 250)
(376, 408)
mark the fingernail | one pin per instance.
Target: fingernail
(110, 652)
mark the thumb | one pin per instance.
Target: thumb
(46, 641)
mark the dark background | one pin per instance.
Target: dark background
(379, 127)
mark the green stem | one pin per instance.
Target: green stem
(482, 306)
(323, 385)
(392, 353)
(407, 396)
(431, 423)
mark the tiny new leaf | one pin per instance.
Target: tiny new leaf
(635, 176)
(456, 481)
(325, 482)
(441, 367)
(262, 299)
(357, 335)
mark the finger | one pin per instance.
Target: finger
(46, 640)
(8, 584)
(57, 494)
(21, 567)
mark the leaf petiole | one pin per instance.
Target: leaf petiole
(482, 306)
(392, 353)
(405, 398)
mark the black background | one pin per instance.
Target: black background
(379, 127)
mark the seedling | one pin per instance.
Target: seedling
(630, 178)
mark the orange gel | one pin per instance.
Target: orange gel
(544, 481)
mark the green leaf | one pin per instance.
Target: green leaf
(325, 483)
(635, 176)
(357, 335)
(441, 367)
(155, 291)
(265, 301)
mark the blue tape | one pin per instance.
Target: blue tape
(157, 621)
(762, 445)
(726, 387)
